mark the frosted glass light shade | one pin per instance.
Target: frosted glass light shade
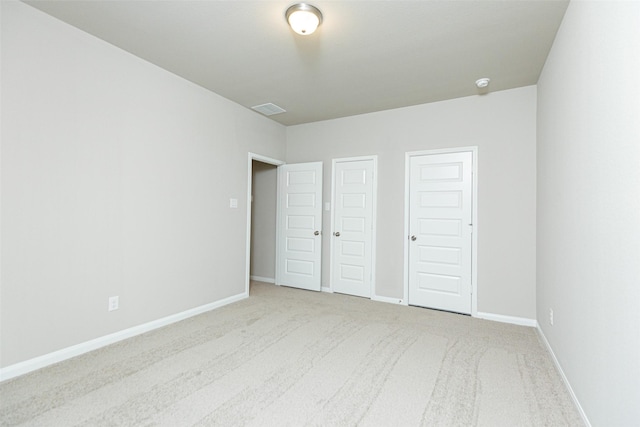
(303, 18)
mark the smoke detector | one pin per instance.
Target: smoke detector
(483, 82)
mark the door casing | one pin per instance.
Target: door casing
(474, 216)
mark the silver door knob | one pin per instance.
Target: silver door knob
(413, 238)
(316, 233)
(336, 233)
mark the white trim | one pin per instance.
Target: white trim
(407, 197)
(263, 279)
(326, 289)
(263, 159)
(332, 225)
(522, 321)
(387, 300)
(474, 219)
(39, 362)
(374, 217)
(543, 338)
(474, 236)
(278, 228)
(374, 225)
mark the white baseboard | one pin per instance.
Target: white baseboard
(263, 279)
(39, 362)
(326, 289)
(387, 299)
(522, 321)
(564, 377)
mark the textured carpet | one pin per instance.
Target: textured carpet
(291, 357)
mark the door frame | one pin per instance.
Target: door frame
(373, 219)
(474, 218)
(271, 161)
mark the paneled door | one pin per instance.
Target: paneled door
(352, 237)
(440, 231)
(300, 225)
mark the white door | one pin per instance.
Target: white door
(440, 231)
(352, 236)
(300, 227)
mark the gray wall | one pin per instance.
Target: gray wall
(502, 125)
(116, 179)
(263, 220)
(589, 207)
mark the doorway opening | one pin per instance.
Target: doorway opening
(261, 219)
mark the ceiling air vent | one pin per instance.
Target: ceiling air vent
(268, 109)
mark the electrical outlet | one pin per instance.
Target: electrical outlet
(113, 303)
(551, 316)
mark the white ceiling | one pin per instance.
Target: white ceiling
(366, 56)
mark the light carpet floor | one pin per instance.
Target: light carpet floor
(286, 357)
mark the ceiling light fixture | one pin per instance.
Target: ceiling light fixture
(303, 18)
(482, 83)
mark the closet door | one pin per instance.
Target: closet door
(353, 226)
(300, 225)
(440, 231)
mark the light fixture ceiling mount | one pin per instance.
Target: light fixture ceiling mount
(303, 18)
